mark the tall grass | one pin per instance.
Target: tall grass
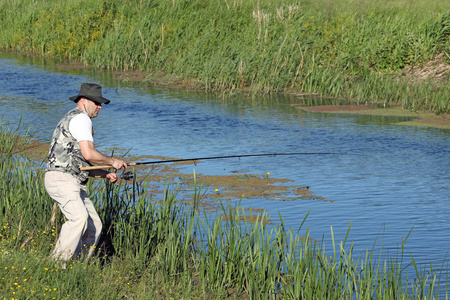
(150, 245)
(343, 48)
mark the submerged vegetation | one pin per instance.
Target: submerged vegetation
(383, 51)
(162, 249)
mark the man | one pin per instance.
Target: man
(72, 147)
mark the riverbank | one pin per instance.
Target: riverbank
(395, 53)
(419, 118)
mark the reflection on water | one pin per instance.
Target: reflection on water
(398, 180)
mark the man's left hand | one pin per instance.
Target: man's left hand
(112, 177)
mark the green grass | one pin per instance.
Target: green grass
(160, 249)
(346, 48)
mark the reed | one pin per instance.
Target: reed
(166, 249)
(354, 49)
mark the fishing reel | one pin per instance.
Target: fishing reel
(126, 175)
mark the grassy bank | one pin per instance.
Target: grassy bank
(160, 249)
(393, 52)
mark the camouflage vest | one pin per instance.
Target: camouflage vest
(65, 153)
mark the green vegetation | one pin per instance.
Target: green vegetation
(160, 249)
(358, 49)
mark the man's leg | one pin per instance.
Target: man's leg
(91, 236)
(65, 190)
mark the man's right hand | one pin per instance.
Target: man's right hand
(118, 164)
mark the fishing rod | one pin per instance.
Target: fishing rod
(154, 162)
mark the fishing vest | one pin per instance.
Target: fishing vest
(65, 153)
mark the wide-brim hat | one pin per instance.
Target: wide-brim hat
(91, 91)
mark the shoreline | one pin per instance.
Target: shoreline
(418, 118)
(161, 80)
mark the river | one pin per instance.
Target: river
(389, 180)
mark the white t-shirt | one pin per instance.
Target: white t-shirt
(81, 128)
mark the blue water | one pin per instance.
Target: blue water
(396, 179)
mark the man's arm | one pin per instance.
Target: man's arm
(94, 156)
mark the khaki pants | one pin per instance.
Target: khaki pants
(81, 232)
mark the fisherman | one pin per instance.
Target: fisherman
(72, 147)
